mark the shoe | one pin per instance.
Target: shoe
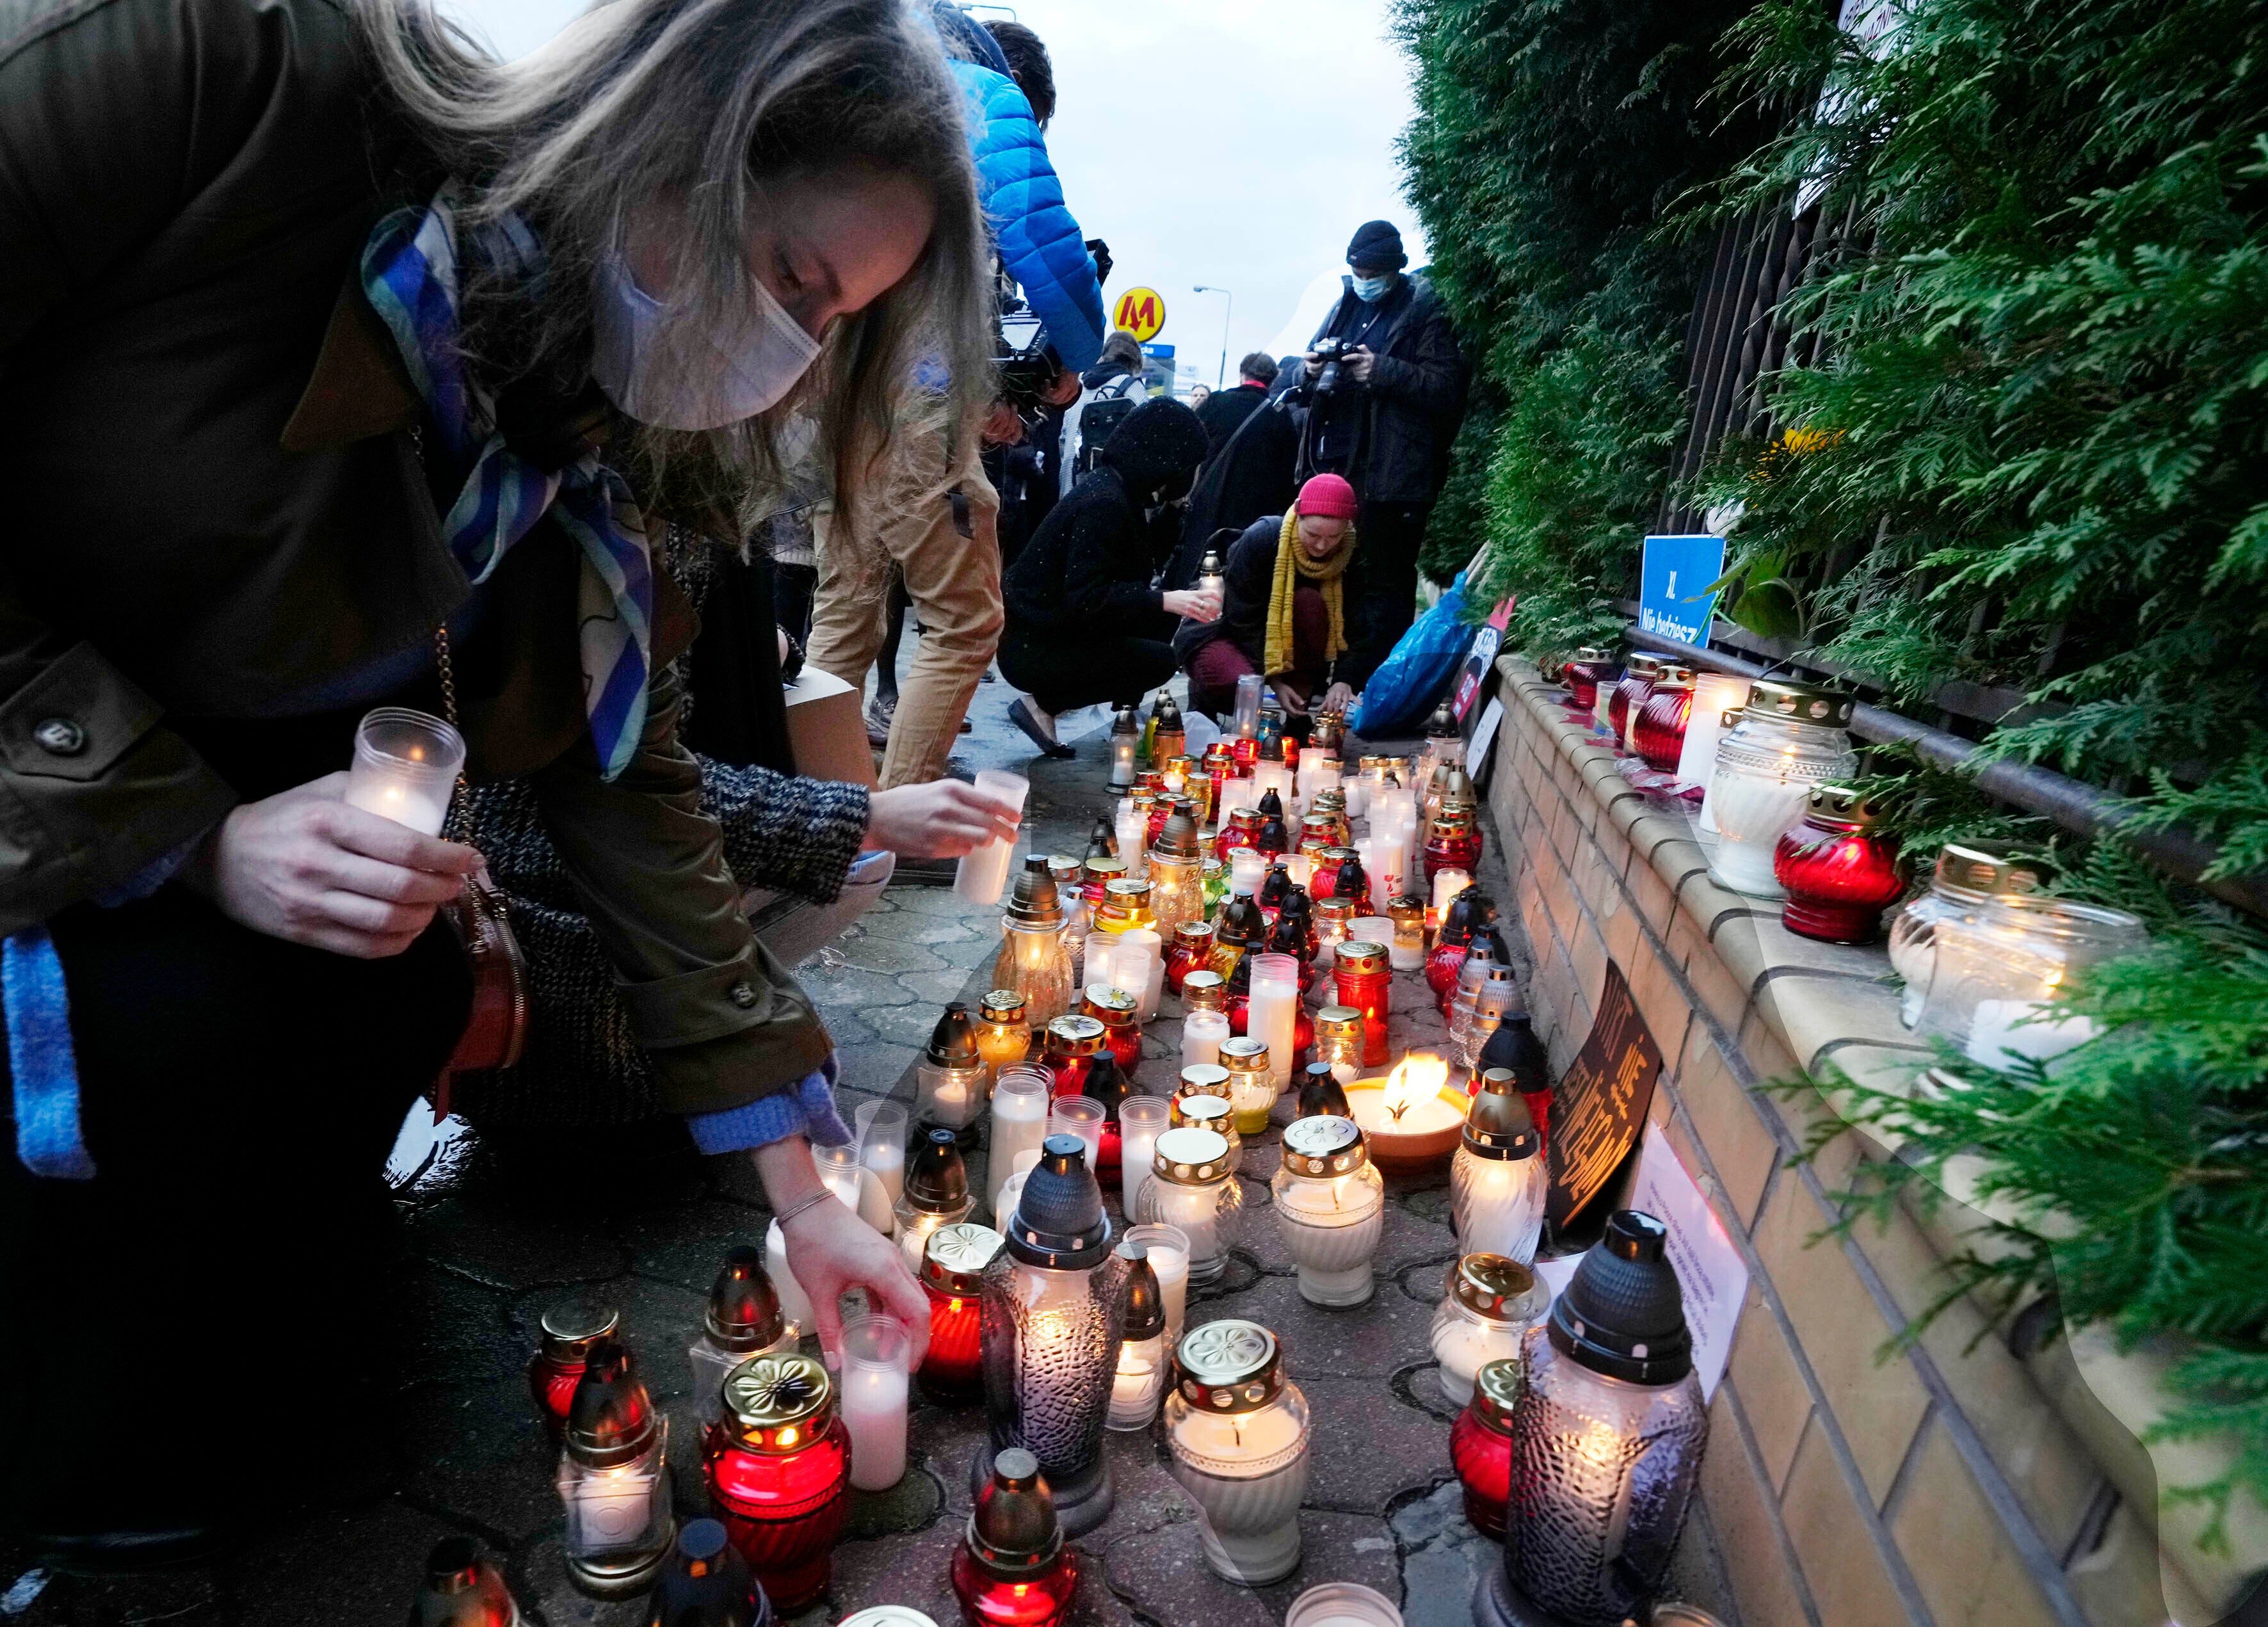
(1021, 714)
(925, 873)
(880, 711)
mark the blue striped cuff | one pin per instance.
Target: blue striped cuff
(808, 1110)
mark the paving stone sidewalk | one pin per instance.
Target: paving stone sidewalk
(640, 1224)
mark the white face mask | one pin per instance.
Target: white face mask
(1371, 290)
(662, 372)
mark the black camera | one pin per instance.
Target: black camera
(1329, 351)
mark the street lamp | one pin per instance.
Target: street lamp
(1220, 379)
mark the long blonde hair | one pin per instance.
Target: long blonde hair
(710, 102)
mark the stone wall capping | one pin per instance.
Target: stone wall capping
(1951, 1482)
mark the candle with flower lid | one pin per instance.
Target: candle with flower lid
(1412, 1117)
(1054, 1302)
(1020, 1118)
(743, 1319)
(569, 1331)
(613, 1479)
(405, 768)
(936, 1194)
(1118, 1011)
(1492, 1300)
(1004, 1031)
(1034, 960)
(1237, 1428)
(1363, 977)
(1480, 1445)
(951, 1279)
(1193, 1187)
(1330, 1204)
(1142, 1359)
(1607, 1435)
(1251, 1083)
(1013, 1569)
(1497, 1181)
(778, 1470)
(949, 1082)
(1840, 875)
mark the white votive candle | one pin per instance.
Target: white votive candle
(795, 1305)
(1202, 1033)
(2007, 1032)
(983, 874)
(1019, 1122)
(882, 1145)
(405, 768)
(1141, 962)
(1275, 1002)
(1169, 1258)
(874, 1357)
(1141, 1121)
(1447, 885)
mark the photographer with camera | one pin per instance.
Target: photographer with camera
(1384, 386)
(938, 528)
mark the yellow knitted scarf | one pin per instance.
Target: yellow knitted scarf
(1289, 558)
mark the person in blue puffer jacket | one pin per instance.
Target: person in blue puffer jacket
(942, 535)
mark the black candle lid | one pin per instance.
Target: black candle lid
(1321, 1092)
(952, 1042)
(743, 1313)
(1179, 839)
(1499, 1125)
(1103, 841)
(937, 1181)
(1059, 1221)
(1146, 1301)
(611, 1421)
(1622, 1314)
(1012, 1531)
(1442, 726)
(1036, 901)
(707, 1580)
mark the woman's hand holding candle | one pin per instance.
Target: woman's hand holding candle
(1195, 603)
(306, 867)
(941, 819)
(831, 1252)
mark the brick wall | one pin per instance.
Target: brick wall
(1936, 1486)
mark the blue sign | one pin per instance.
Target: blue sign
(1674, 599)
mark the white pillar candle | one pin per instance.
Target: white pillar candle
(1081, 1116)
(983, 874)
(1004, 1206)
(882, 1145)
(1715, 694)
(1141, 963)
(1141, 1121)
(1246, 869)
(1169, 1258)
(2004, 1032)
(1202, 1033)
(1133, 829)
(795, 1305)
(874, 1357)
(1300, 867)
(1275, 1003)
(1447, 885)
(1019, 1122)
(1358, 796)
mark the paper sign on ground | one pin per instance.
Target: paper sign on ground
(1711, 1272)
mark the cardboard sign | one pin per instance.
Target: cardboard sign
(1671, 602)
(1140, 311)
(1598, 1108)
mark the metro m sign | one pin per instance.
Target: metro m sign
(1140, 311)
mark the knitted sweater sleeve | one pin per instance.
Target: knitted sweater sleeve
(784, 832)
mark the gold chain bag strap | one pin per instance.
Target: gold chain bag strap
(496, 1030)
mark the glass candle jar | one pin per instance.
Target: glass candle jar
(1192, 951)
(1790, 737)
(778, 1468)
(1331, 1205)
(1492, 1301)
(1476, 1012)
(1364, 978)
(1216, 886)
(1167, 1248)
(1125, 905)
(1480, 1446)
(936, 1193)
(1497, 1180)
(1069, 1049)
(1453, 839)
(568, 1334)
(1193, 1188)
(1468, 912)
(1966, 876)
(1176, 875)
(1607, 1435)
(1141, 1121)
(1840, 876)
(1004, 1031)
(1012, 1569)
(1142, 1360)
(462, 1589)
(1034, 960)
(1251, 1083)
(1997, 973)
(1020, 1119)
(1237, 1428)
(1338, 1042)
(1584, 674)
(1055, 1307)
(1630, 691)
(1117, 1010)
(1331, 916)
(1189, 1108)
(1241, 830)
(1205, 990)
(742, 1319)
(951, 1079)
(613, 1479)
(952, 1279)
(1659, 733)
(1408, 912)
(1097, 874)
(1125, 742)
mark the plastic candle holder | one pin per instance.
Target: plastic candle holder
(405, 768)
(951, 1279)
(1491, 1303)
(882, 1145)
(1078, 1116)
(1276, 987)
(1715, 695)
(1141, 1121)
(1168, 1252)
(1202, 1033)
(1020, 1120)
(613, 1479)
(1330, 1204)
(743, 1319)
(982, 874)
(778, 1468)
(875, 1352)
(1497, 1182)
(1238, 1428)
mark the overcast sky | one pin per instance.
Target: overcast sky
(1234, 142)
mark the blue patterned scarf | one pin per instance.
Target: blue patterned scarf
(409, 271)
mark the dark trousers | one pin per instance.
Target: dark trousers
(1391, 534)
(216, 1301)
(1062, 675)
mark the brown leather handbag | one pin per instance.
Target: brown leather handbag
(495, 1029)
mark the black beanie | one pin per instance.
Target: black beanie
(1376, 243)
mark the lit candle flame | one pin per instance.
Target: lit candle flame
(1417, 1077)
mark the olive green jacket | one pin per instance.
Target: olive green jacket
(214, 505)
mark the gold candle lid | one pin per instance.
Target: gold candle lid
(1339, 910)
(1103, 868)
(1979, 867)
(1801, 702)
(1360, 957)
(1204, 991)
(1114, 1008)
(1207, 1113)
(1241, 1054)
(1188, 934)
(779, 1403)
(1203, 1079)
(1134, 895)
(1075, 1035)
(1002, 1006)
(1339, 1022)
(569, 1331)
(1324, 1147)
(1491, 1285)
(1229, 1367)
(1496, 1391)
(1404, 909)
(955, 1258)
(1188, 1156)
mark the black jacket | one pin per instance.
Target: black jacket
(1251, 474)
(1088, 568)
(1247, 583)
(1412, 405)
(1225, 412)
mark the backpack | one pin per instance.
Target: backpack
(1101, 416)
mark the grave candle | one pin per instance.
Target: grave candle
(1168, 1247)
(983, 874)
(1275, 1002)
(874, 1356)
(405, 768)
